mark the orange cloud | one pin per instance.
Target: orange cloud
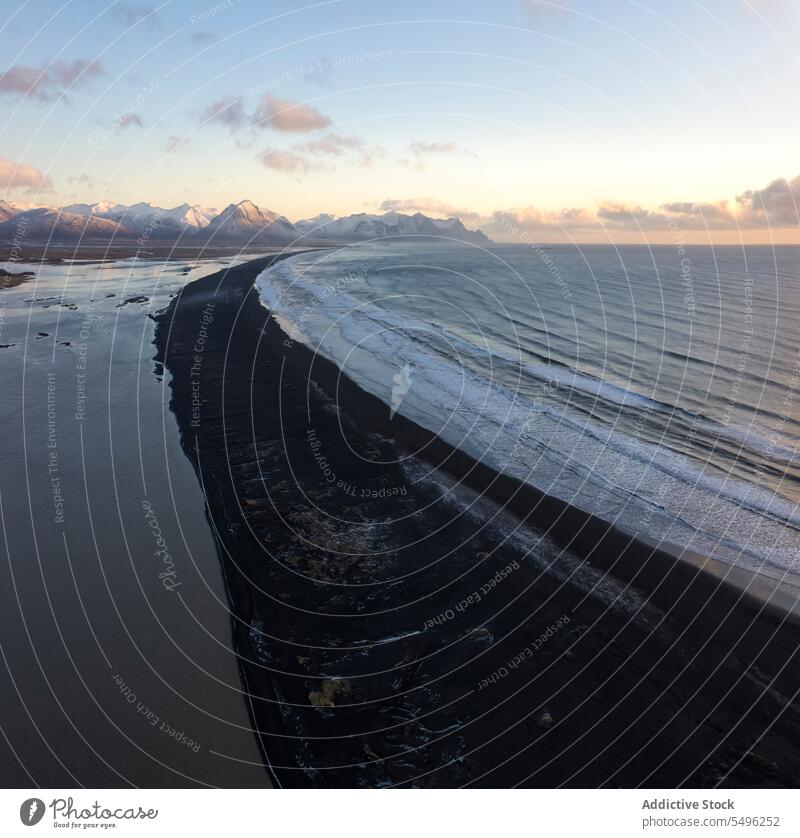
(331, 145)
(285, 161)
(20, 175)
(428, 206)
(49, 82)
(288, 115)
(777, 206)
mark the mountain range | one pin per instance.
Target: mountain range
(241, 223)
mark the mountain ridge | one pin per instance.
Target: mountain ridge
(242, 222)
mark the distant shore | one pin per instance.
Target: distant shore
(358, 674)
(105, 251)
(11, 279)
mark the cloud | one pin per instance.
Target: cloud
(203, 38)
(432, 148)
(82, 180)
(128, 119)
(21, 176)
(542, 12)
(284, 161)
(306, 157)
(132, 13)
(175, 144)
(288, 115)
(419, 148)
(49, 82)
(628, 216)
(777, 205)
(322, 71)
(229, 111)
(331, 145)
(368, 157)
(531, 219)
(428, 206)
(412, 164)
(689, 215)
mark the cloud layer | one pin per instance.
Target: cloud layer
(285, 115)
(21, 176)
(49, 82)
(284, 161)
(290, 116)
(775, 206)
(428, 205)
(228, 111)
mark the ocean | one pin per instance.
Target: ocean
(653, 387)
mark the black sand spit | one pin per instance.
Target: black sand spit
(388, 637)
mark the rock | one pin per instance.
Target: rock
(255, 503)
(10, 280)
(368, 752)
(330, 690)
(544, 719)
(762, 764)
(138, 299)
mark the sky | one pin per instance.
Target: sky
(570, 120)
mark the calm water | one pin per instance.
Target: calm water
(86, 622)
(655, 388)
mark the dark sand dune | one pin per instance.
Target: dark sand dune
(388, 638)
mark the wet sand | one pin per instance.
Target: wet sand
(407, 616)
(110, 677)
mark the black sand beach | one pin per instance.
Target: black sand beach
(390, 636)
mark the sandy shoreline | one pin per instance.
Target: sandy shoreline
(357, 673)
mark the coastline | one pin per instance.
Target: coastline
(116, 623)
(324, 677)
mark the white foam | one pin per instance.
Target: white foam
(640, 486)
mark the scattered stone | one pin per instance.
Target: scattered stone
(139, 299)
(255, 503)
(762, 764)
(368, 752)
(10, 280)
(330, 690)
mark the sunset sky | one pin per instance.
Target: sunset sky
(592, 120)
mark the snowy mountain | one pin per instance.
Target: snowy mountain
(7, 211)
(22, 206)
(246, 222)
(192, 215)
(241, 223)
(48, 224)
(308, 225)
(101, 208)
(143, 216)
(391, 224)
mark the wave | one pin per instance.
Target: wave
(554, 372)
(640, 485)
